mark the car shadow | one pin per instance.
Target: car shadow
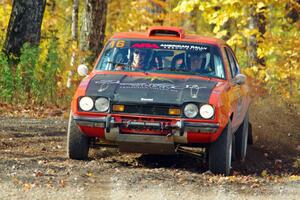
(257, 162)
(178, 161)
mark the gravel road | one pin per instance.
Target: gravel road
(33, 165)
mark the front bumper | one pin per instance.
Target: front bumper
(157, 136)
(109, 122)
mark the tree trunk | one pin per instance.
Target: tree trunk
(257, 21)
(252, 40)
(93, 28)
(75, 20)
(24, 25)
(74, 32)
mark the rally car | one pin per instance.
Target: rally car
(157, 91)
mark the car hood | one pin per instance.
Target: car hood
(150, 89)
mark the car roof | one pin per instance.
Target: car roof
(169, 34)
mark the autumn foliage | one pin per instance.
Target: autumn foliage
(264, 34)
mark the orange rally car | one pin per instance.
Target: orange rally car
(160, 91)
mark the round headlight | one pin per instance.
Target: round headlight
(190, 110)
(86, 103)
(206, 111)
(102, 104)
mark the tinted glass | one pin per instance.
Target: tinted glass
(162, 57)
(232, 62)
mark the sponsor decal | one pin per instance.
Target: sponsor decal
(145, 45)
(103, 85)
(146, 99)
(152, 86)
(194, 89)
(184, 47)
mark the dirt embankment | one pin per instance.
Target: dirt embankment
(33, 165)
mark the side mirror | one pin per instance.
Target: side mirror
(82, 70)
(240, 79)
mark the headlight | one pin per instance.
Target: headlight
(86, 103)
(207, 111)
(102, 104)
(190, 110)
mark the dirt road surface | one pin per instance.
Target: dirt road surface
(33, 165)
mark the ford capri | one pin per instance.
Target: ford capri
(159, 91)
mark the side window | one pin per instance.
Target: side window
(232, 62)
(219, 71)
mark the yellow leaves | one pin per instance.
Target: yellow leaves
(294, 178)
(222, 33)
(89, 174)
(236, 39)
(27, 186)
(262, 74)
(259, 73)
(260, 52)
(296, 163)
(249, 32)
(185, 6)
(249, 72)
(216, 29)
(4, 19)
(260, 5)
(264, 173)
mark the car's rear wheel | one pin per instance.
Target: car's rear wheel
(250, 136)
(220, 152)
(241, 139)
(78, 144)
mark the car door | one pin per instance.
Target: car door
(235, 92)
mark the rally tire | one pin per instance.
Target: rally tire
(250, 136)
(233, 156)
(241, 139)
(220, 152)
(78, 144)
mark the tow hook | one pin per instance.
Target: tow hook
(107, 122)
(180, 125)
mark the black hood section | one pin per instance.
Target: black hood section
(150, 89)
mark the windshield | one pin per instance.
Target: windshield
(162, 57)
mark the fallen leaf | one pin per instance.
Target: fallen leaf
(294, 178)
(38, 174)
(264, 173)
(27, 186)
(89, 174)
(62, 183)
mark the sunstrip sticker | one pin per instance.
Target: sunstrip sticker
(183, 47)
(145, 45)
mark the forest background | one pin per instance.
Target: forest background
(42, 72)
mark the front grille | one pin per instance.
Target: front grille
(161, 110)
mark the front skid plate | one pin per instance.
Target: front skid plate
(146, 144)
(152, 148)
(136, 143)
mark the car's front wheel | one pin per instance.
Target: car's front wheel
(220, 152)
(78, 144)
